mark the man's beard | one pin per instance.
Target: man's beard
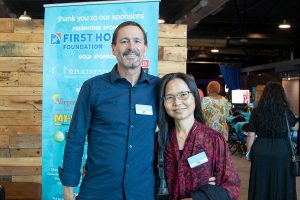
(136, 63)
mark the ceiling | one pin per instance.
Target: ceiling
(245, 31)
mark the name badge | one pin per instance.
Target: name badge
(143, 109)
(197, 159)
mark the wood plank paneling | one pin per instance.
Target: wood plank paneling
(21, 64)
(22, 191)
(9, 79)
(31, 26)
(174, 54)
(170, 42)
(21, 37)
(171, 66)
(5, 179)
(20, 152)
(4, 141)
(172, 31)
(11, 91)
(25, 141)
(15, 162)
(4, 153)
(16, 129)
(21, 103)
(30, 79)
(20, 117)
(21, 49)
(31, 179)
(20, 170)
(7, 25)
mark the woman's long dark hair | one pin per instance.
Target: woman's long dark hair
(166, 123)
(272, 105)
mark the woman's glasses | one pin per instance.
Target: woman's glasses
(181, 95)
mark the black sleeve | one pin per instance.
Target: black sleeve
(210, 192)
(291, 118)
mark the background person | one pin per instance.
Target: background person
(110, 112)
(185, 137)
(201, 94)
(216, 109)
(270, 175)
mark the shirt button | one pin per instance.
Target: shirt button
(130, 146)
(131, 126)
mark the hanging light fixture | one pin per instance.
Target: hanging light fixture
(25, 16)
(161, 21)
(284, 25)
(214, 50)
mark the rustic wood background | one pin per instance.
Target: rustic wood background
(21, 74)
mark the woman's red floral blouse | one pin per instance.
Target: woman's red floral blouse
(182, 179)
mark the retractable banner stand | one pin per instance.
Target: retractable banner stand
(77, 46)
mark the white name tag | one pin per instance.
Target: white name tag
(143, 109)
(197, 159)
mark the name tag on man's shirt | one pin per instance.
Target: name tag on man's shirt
(143, 109)
(197, 159)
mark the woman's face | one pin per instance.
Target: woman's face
(179, 102)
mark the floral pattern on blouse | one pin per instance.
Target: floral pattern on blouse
(215, 112)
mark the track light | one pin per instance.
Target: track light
(284, 25)
(161, 21)
(25, 16)
(214, 50)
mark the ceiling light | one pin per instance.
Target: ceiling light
(25, 16)
(214, 50)
(284, 25)
(243, 40)
(161, 21)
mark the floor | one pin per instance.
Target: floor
(243, 168)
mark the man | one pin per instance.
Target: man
(117, 112)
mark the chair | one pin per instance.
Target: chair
(236, 141)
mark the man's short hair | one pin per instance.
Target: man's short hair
(128, 23)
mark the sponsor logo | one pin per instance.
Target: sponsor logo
(55, 38)
(61, 101)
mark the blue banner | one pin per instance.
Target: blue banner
(77, 46)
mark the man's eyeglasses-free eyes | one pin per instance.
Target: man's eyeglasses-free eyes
(181, 95)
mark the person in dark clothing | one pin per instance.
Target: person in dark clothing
(270, 155)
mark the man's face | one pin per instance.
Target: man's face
(130, 47)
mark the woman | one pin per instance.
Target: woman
(193, 152)
(216, 108)
(270, 175)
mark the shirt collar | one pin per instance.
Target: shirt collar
(115, 76)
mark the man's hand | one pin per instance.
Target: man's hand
(69, 193)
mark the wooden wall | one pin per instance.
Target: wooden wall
(21, 51)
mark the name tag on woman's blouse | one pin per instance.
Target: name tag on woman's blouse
(197, 159)
(143, 109)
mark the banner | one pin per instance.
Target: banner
(77, 46)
